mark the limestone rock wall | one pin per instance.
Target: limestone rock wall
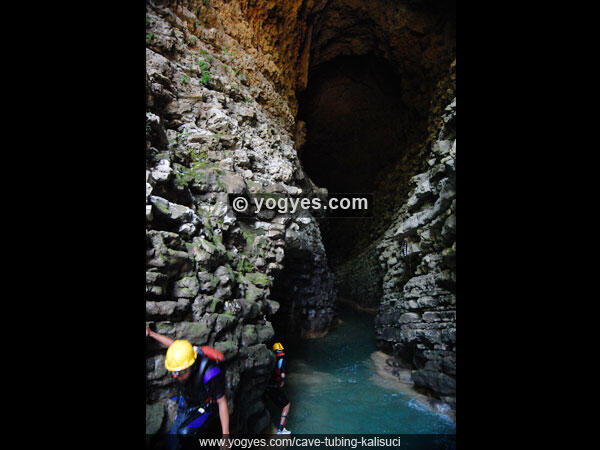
(417, 314)
(307, 284)
(360, 279)
(271, 39)
(216, 125)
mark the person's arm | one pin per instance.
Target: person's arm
(282, 375)
(283, 370)
(224, 414)
(164, 340)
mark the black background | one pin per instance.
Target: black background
(75, 245)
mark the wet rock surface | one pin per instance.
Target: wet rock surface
(209, 273)
(417, 314)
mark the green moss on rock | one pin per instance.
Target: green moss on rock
(259, 279)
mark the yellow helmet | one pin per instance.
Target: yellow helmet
(277, 346)
(180, 356)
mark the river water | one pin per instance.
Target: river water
(334, 387)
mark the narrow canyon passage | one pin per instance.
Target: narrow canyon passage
(359, 136)
(304, 98)
(362, 138)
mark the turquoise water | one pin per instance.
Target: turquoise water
(333, 388)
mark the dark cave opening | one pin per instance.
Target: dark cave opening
(362, 136)
(356, 122)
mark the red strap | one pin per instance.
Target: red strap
(212, 353)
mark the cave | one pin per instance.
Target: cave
(373, 91)
(371, 109)
(358, 129)
(310, 97)
(356, 122)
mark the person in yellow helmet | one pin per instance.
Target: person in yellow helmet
(201, 389)
(274, 389)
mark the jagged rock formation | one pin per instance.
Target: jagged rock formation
(230, 107)
(307, 285)
(361, 279)
(417, 315)
(209, 273)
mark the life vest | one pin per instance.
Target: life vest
(194, 391)
(278, 368)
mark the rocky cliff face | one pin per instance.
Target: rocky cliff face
(230, 106)
(209, 274)
(417, 314)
